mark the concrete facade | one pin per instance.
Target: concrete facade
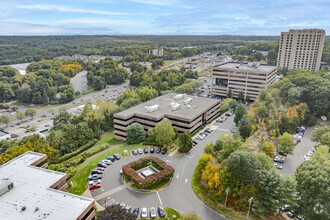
(157, 52)
(250, 79)
(301, 49)
(189, 117)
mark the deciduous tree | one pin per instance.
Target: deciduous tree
(286, 144)
(239, 113)
(135, 133)
(164, 132)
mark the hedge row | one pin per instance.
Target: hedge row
(78, 151)
(69, 166)
(129, 170)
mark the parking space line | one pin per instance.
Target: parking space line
(159, 199)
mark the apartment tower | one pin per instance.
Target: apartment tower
(301, 49)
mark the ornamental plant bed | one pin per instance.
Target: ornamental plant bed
(165, 171)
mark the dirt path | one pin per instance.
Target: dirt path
(79, 81)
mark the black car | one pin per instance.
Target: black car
(161, 212)
(96, 172)
(145, 150)
(152, 150)
(117, 156)
(158, 150)
(194, 142)
(102, 165)
(135, 212)
(164, 150)
(111, 158)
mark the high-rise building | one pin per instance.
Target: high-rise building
(301, 49)
(248, 78)
(157, 52)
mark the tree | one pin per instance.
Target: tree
(146, 93)
(4, 119)
(258, 55)
(286, 144)
(245, 128)
(268, 148)
(272, 55)
(114, 212)
(313, 187)
(230, 145)
(98, 83)
(289, 190)
(318, 133)
(164, 132)
(63, 118)
(135, 133)
(209, 149)
(240, 96)
(190, 216)
(6, 92)
(239, 113)
(265, 161)
(218, 145)
(229, 94)
(185, 142)
(203, 161)
(20, 116)
(30, 112)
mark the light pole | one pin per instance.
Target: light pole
(250, 201)
(227, 191)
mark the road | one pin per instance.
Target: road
(179, 195)
(292, 162)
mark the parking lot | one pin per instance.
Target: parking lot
(293, 161)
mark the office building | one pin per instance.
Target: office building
(157, 52)
(186, 112)
(301, 49)
(31, 192)
(248, 78)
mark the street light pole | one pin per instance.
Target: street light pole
(250, 201)
(227, 191)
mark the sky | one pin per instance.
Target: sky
(161, 17)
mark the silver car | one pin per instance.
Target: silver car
(153, 213)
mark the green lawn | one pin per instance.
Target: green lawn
(170, 213)
(80, 180)
(208, 198)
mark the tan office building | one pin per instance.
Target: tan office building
(248, 78)
(301, 49)
(186, 112)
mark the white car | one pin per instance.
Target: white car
(144, 212)
(107, 162)
(122, 205)
(140, 151)
(94, 182)
(153, 212)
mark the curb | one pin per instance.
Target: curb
(151, 191)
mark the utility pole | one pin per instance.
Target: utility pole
(250, 201)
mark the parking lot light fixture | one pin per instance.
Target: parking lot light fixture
(227, 192)
(250, 201)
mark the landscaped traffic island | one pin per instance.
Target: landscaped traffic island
(148, 173)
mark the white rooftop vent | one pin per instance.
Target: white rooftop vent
(152, 108)
(180, 96)
(173, 104)
(187, 101)
(176, 107)
(188, 106)
(5, 186)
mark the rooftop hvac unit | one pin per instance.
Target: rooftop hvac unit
(187, 101)
(176, 107)
(180, 96)
(152, 108)
(173, 104)
(6, 186)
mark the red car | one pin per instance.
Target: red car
(100, 168)
(95, 186)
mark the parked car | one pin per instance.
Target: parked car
(122, 205)
(135, 152)
(153, 213)
(233, 130)
(135, 212)
(145, 150)
(97, 171)
(140, 151)
(94, 182)
(100, 164)
(220, 120)
(117, 156)
(95, 186)
(161, 212)
(208, 130)
(164, 151)
(158, 150)
(199, 137)
(95, 177)
(152, 150)
(111, 158)
(279, 159)
(278, 166)
(310, 153)
(144, 212)
(107, 162)
(121, 172)
(128, 209)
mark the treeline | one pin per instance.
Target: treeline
(41, 83)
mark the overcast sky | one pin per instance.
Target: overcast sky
(202, 17)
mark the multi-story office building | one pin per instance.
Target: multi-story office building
(301, 49)
(28, 191)
(186, 112)
(157, 52)
(248, 78)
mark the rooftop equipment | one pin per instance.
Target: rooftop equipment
(175, 107)
(180, 96)
(6, 186)
(152, 108)
(187, 101)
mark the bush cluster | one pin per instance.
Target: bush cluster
(165, 173)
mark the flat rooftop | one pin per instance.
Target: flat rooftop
(197, 106)
(238, 66)
(31, 189)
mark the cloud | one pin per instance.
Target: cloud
(155, 2)
(66, 9)
(97, 22)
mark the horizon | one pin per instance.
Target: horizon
(161, 17)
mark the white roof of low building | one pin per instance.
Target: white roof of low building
(31, 189)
